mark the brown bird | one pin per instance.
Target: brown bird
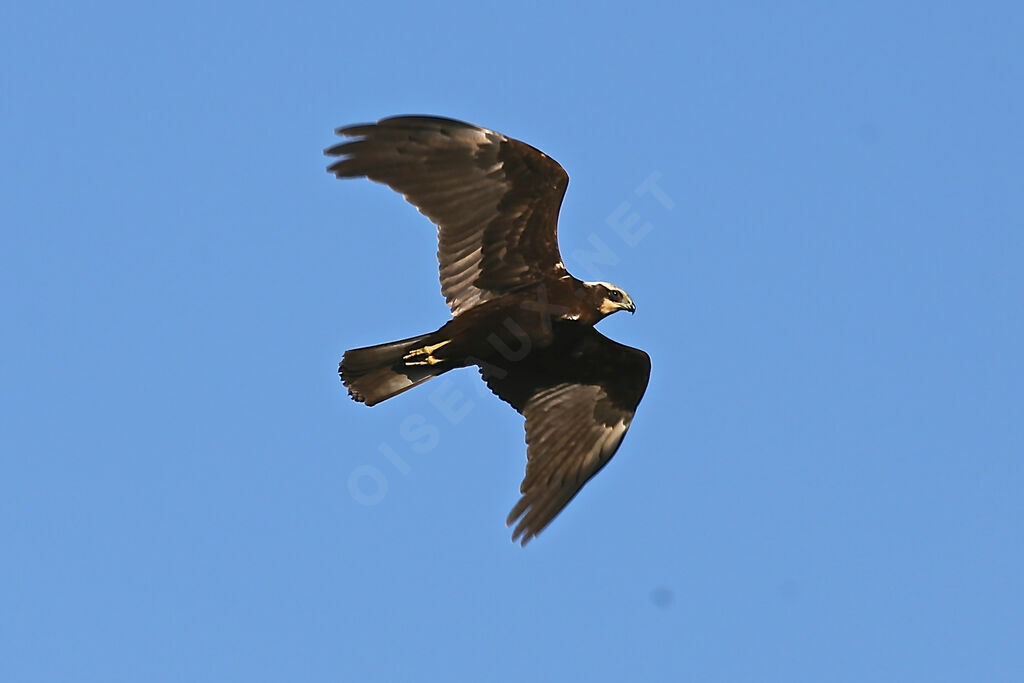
(518, 314)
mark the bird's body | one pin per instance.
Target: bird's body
(518, 314)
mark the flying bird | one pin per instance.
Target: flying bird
(517, 313)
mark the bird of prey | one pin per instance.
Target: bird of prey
(517, 313)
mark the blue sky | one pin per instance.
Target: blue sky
(821, 484)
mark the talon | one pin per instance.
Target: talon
(425, 351)
(429, 360)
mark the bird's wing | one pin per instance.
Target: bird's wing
(494, 200)
(578, 401)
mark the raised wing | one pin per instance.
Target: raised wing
(494, 200)
(578, 398)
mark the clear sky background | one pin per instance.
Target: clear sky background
(823, 482)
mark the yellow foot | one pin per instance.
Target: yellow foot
(427, 352)
(429, 360)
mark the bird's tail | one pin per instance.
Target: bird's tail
(376, 373)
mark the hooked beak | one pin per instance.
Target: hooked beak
(622, 303)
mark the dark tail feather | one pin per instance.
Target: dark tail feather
(375, 373)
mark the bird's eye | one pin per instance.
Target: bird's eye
(615, 295)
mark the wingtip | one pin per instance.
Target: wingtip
(352, 129)
(522, 537)
(336, 150)
(521, 534)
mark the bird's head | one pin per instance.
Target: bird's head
(608, 298)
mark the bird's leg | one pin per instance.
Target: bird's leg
(426, 351)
